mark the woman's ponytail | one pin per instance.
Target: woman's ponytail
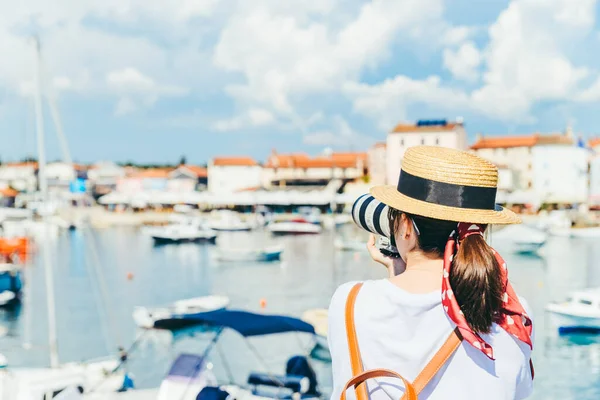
(476, 281)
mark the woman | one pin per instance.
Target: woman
(446, 319)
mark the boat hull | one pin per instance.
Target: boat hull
(172, 240)
(566, 321)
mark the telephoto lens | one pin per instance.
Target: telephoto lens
(372, 215)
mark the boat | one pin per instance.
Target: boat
(522, 239)
(580, 312)
(57, 379)
(146, 317)
(310, 214)
(317, 317)
(190, 376)
(262, 255)
(297, 226)
(11, 284)
(182, 230)
(228, 221)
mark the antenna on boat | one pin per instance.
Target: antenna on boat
(39, 119)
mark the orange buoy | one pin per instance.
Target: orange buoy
(129, 276)
(263, 303)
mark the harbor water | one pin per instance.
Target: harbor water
(101, 275)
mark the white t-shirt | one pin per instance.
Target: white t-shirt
(401, 331)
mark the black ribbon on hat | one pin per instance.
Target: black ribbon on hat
(447, 194)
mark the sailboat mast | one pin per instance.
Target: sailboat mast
(39, 122)
(52, 337)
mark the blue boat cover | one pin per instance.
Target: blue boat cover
(187, 366)
(245, 323)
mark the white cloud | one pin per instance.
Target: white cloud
(340, 135)
(136, 89)
(463, 62)
(526, 57)
(252, 118)
(282, 55)
(125, 106)
(387, 102)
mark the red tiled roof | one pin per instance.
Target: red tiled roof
(33, 164)
(285, 160)
(379, 145)
(8, 192)
(594, 142)
(317, 162)
(152, 173)
(402, 128)
(505, 142)
(234, 161)
(201, 172)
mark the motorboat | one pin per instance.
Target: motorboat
(317, 317)
(146, 317)
(297, 226)
(522, 239)
(11, 284)
(98, 377)
(310, 214)
(262, 255)
(190, 376)
(581, 311)
(228, 221)
(181, 231)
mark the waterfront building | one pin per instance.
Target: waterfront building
(19, 176)
(188, 178)
(283, 170)
(546, 168)
(232, 174)
(103, 177)
(61, 174)
(424, 132)
(149, 179)
(376, 161)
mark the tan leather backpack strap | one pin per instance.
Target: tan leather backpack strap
(437, 362)
(409, 392)
(355, 360)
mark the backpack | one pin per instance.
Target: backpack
(412, 389)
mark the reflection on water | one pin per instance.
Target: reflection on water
(135, 272)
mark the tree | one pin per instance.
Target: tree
(182, 161)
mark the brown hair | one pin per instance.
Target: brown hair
(475, 276)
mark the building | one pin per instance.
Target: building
(543, 168)
(187, 178)
(232, 174)
(59, 176)
(301, 170)
(149, 179)
(19, 176)
(376, 161)
(103, 177)
(424, 132)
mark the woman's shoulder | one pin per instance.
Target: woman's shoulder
(338, 300)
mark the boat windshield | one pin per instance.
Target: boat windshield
(585, 302)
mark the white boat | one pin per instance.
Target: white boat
(262, 255)
(317, 317)
(191, 376)
(522, 239)
(581, 310)
(297, 226)
(145, 317)
(577, 232)
(44, 383)
(228, 221)
(181, 231)
(310, 214)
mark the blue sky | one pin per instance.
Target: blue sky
(150, 80)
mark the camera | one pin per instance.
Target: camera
(372, 215)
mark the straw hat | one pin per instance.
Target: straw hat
(446, 184)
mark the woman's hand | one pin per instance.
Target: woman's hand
(395, 266)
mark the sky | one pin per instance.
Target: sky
(151, 81)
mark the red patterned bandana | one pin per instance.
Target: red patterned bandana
(516, 322)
